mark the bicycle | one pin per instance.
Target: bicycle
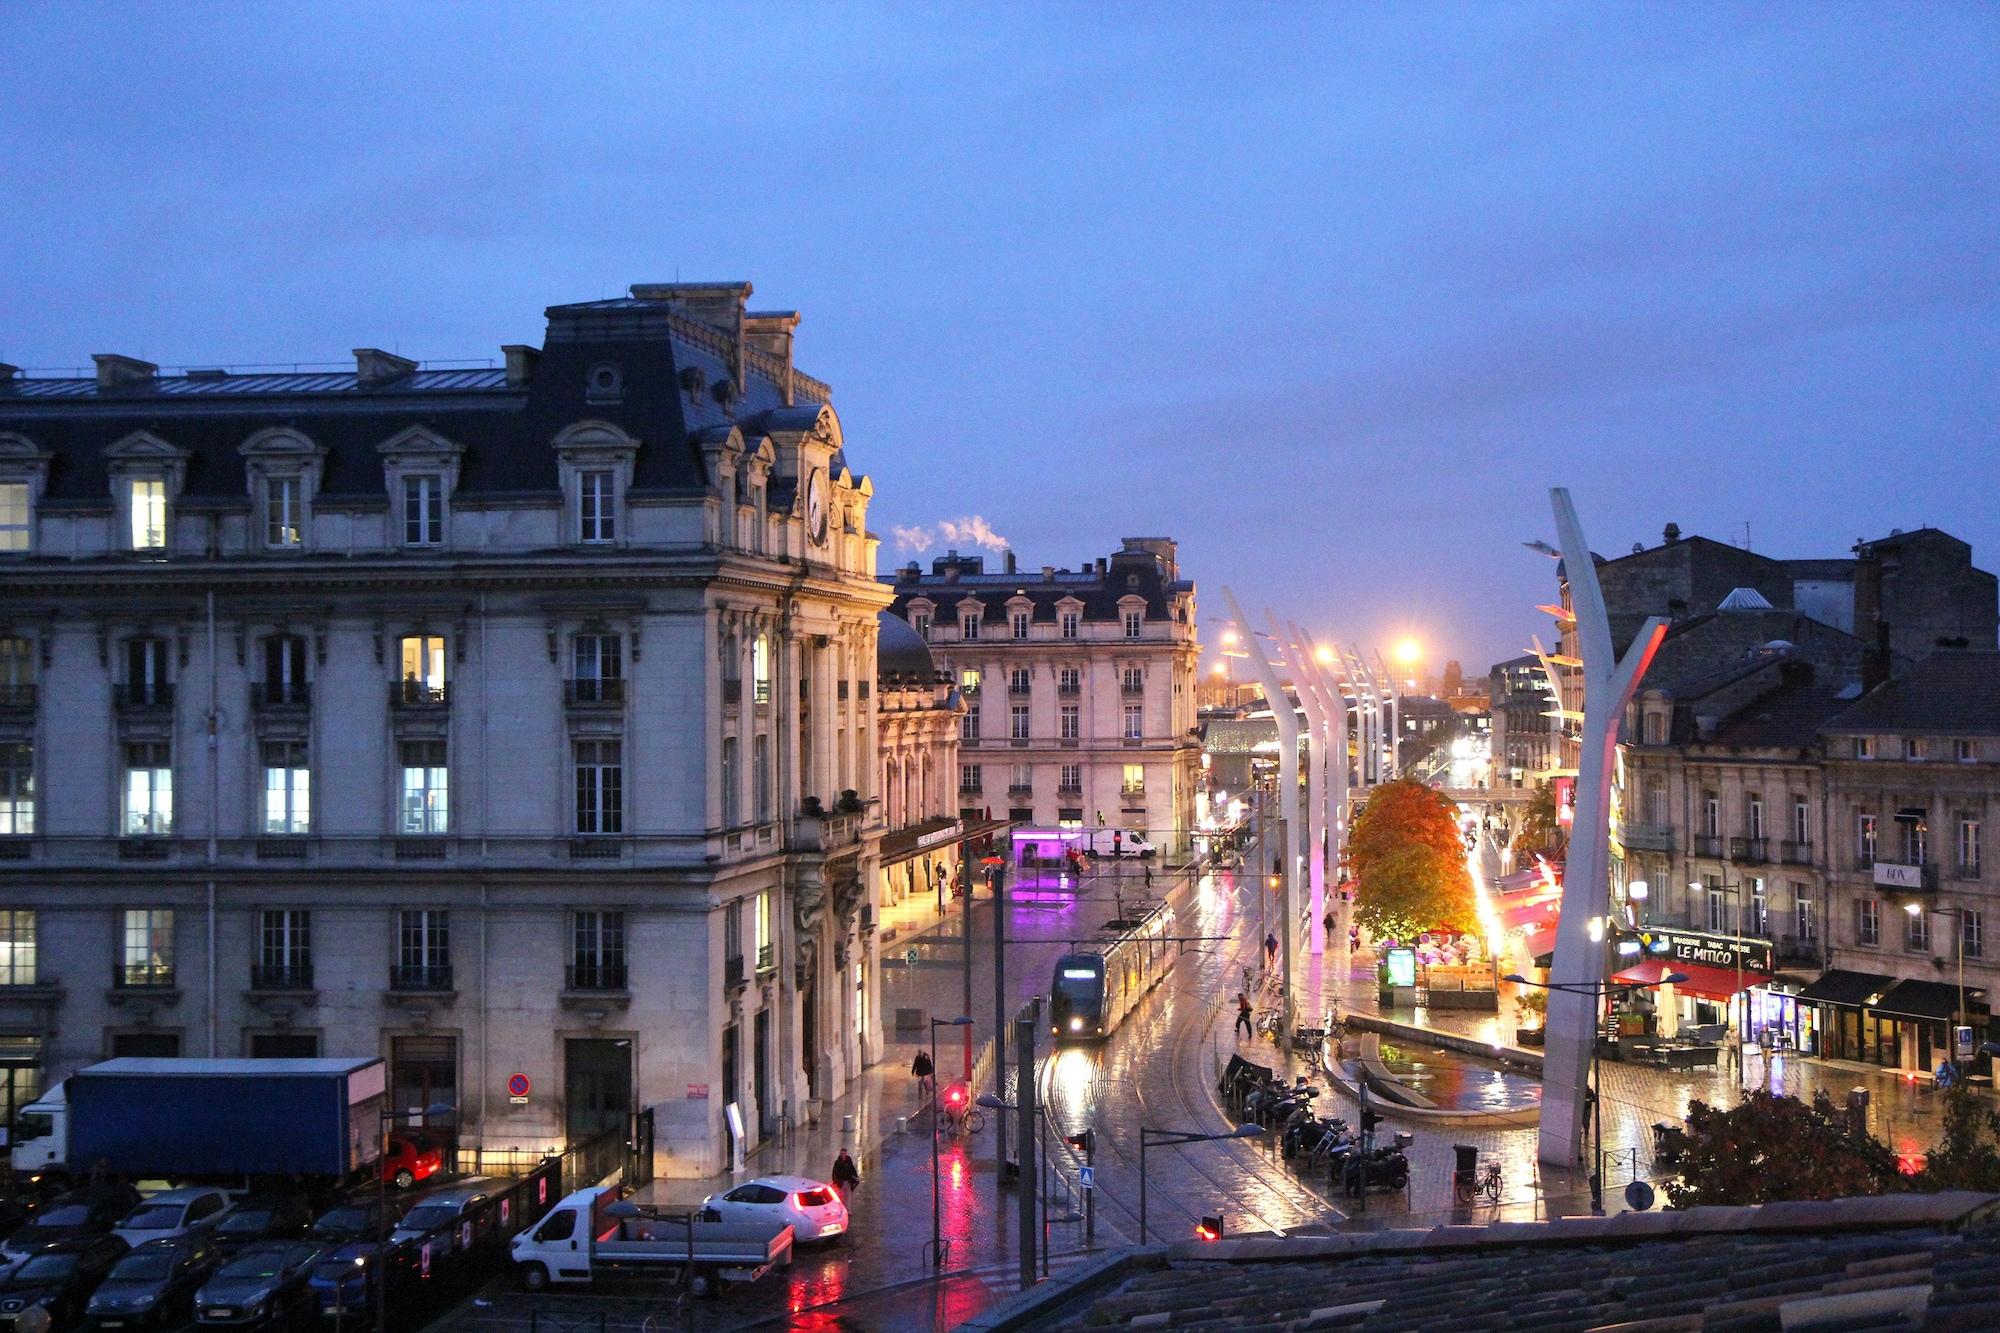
(1471, 1185)
(964, 1124)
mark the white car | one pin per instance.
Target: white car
(172, 1213)
(812, 1207)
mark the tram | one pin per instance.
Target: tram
(1093, 989)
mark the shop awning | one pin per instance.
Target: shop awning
(1923, 999)
(1711, 983)
(1838, 986)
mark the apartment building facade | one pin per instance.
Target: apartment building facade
(1079, 688)
(509, 721)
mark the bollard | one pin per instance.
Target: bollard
(847, 1126)
(902, 1124)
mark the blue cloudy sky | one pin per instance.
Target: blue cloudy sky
(1330, 293)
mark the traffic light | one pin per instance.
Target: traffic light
(1369, 1119)
(1085, 1143)
(1209, 1228)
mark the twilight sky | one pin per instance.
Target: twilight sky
(1331, 294)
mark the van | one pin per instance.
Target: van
(1119, 842)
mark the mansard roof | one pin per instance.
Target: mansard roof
(675, 377)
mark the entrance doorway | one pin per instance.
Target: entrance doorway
(423, 1072)
(760, 1068)
(597, 1086)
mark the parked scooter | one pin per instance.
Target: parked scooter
(1387, 1168)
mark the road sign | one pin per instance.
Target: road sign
(910, 956)
(1087, 1177)
(517, 1089)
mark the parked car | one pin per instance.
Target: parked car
(264, 1284)
(810, 1207)
(357, 1219)
(411, 1160)
(262, 1217)
(48, 1293)
(153, 1286)
(439, 1209)
(343, 1280)
(90, 1211)
(173, 1213)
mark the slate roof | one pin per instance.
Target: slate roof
(1847, 1264)
(505, 429)
(1703, 651)
(1786, 718)
(900, 650)
(1951, 692)
(1099, 593)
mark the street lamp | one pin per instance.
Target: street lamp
(1167, 1138)
(1636, 892)
(1957, 914)
(937, 1220)
(1597, 990)
(1739, 999)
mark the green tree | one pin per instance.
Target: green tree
(1541, 830)
(1409, 862)
(1770, 1148)
(1967, 1157)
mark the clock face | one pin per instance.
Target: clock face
(816, 506)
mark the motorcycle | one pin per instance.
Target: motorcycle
(1387, 1168)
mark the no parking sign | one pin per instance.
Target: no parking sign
(518, 1088)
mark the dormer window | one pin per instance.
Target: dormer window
(968, 625)
(423, 509)
(1135, 624)
(17, 513)
(596, 506)
(921, 622)
(283, 521)
(1069, 624)
(147, 498)
(1019, 621)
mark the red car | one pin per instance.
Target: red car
(411, 1160)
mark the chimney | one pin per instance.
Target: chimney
(114, 370)
(1867, 592)
(770, 332)
(1671, 534)
(1875, 658)
(1010, 562)
(521, 361)
(373, 366)
(720, 305)
(1101, 563)
(1048, 573)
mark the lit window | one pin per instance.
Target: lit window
(760, 669)
(287, 788)
(282, 521)
(149, 790)
(149, 514)
(17, 790)
(16, 517)
(17, 948)
(424, 787)
(146, 949)
(423, 668)
(1135, 780)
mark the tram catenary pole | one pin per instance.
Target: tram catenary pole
(1000, 1021)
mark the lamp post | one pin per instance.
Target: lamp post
(937, 1218)
(1736, 921)
(1598, 991)
(1169, 1137)
(1957, 914)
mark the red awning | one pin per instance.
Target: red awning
(1528, 912)
(1711, 983)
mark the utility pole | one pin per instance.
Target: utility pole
(1000, 1025)
(1284, 941)
(1024, 1100)
(965, 878)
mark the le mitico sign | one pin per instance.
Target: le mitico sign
(1717, 951)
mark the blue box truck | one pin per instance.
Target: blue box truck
(181, 1119)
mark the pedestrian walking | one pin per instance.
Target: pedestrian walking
(926, 1082)
(1270, 951)
(846, 1176)
(1149, 877)
(1243, 1014)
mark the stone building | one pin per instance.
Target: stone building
(1079, 687)
(1524, 735)
(495, 721)
(918, 711)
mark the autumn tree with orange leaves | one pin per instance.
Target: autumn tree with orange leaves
(1409, 863)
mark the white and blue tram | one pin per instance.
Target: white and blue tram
(1094, 989)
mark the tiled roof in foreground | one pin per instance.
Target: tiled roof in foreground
(1898, 1261)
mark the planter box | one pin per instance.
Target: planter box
(1531, 1037)
(1487, 1000)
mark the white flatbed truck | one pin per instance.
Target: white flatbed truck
(593, 1234)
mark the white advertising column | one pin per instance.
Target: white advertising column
(1333, 709)
(1287, 719)
(1294, 657)
(1609, 683)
